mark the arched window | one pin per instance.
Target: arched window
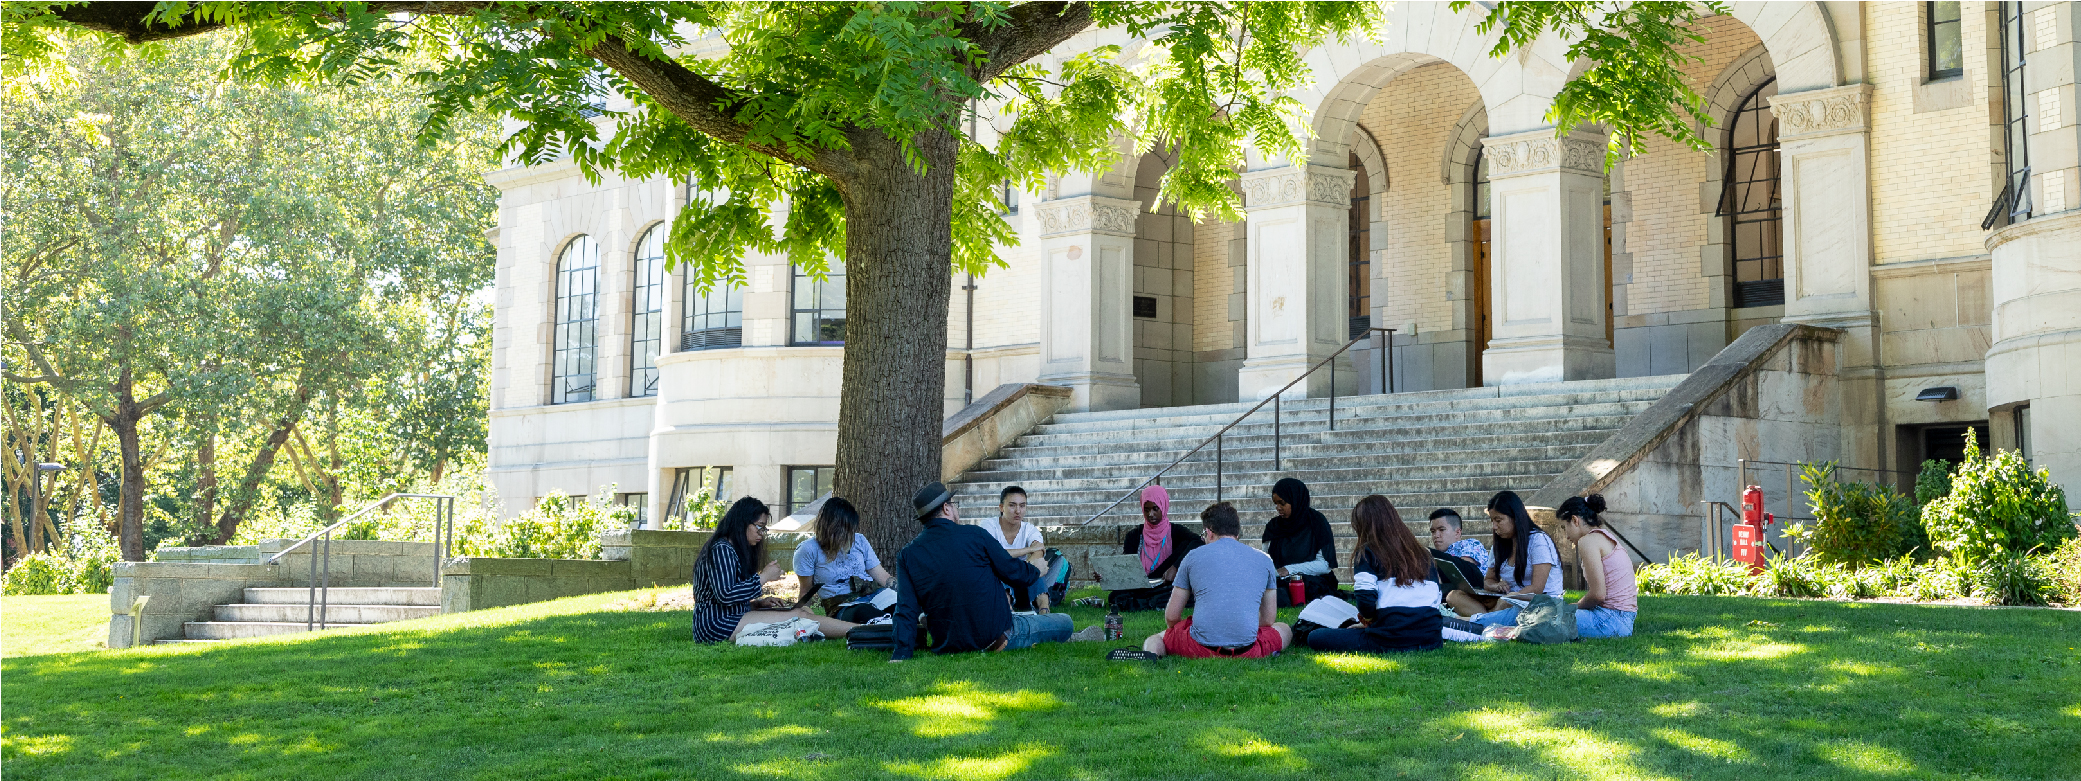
(647, 314)
(574, 361)
(715, 317)
(1749, 201)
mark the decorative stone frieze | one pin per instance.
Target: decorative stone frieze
(1822, 112)
(1088, 214)
(1298, 184)
(1540, 151)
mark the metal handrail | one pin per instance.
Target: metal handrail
(321, 584)
(1274, 400)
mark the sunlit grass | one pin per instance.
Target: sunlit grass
(1712, 688)
(62, 624)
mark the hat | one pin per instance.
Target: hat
(930, 498)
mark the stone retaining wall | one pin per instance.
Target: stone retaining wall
(180, 592)
(478, 583)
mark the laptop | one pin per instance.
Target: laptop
(1455, 579)
(1121, 573)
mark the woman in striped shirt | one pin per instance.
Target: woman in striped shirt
(731, 572)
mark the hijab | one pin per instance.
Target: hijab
(1156, 540)
(1304, 532)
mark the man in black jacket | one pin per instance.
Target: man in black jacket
(956, 574)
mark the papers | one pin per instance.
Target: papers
(1330, 612)
(883, 599)
(1122, 572)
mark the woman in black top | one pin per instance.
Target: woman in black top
(1300, 542)
(731, 572)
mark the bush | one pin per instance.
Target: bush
(1891, 578)
(2065, 563)
(1856, 523)
(702, 513)
(560, 527)
(1694, 574)
(38, 574)
(1936, 581)
(2013, 578)
(1790, 577)
(1997, 505)
(1933, 481)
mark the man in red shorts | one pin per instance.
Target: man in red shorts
(1229, 585)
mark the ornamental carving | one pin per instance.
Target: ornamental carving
(1089, 214)
(1540, 152)
(1284, 186)
(1820, 112)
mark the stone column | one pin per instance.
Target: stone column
(1087, 268)
(1825, 184)
(1546, 270)
(1296, 217)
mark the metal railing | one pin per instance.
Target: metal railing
(321, 556)
(1387, 363)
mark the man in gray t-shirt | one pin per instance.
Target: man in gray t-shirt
(1230, 586)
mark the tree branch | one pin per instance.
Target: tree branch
(1029, 30)
(703, 104)
(132, 20)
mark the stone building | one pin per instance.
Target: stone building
(1903, 171)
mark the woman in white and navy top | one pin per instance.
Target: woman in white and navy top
(728, 577)
(1396, 584)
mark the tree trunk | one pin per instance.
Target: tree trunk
(130, 510)
(899, 272)
(242, 497)
(206, 472)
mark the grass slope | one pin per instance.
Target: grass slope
(70, 623)
(1713, 688)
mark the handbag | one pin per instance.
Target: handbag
(879, 637)
(1544, 619)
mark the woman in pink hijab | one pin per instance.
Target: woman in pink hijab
(1161, 545)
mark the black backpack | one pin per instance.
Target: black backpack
(879, 637)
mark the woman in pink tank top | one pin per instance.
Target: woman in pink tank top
(1609, 601)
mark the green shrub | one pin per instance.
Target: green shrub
(2065, 563)
(38, 574)
(1933, 481)
(94, 556)
(1694, 574)
(1856, 523)
(1891, 578)
(1790, 577)
(1995, 505)
(702, 512)
(559, 527)
(1937, 580)
(2014, 578)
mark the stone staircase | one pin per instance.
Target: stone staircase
(1423, 450)
(278, 611)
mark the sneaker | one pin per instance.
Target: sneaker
(1091, 602)
(1090, 634)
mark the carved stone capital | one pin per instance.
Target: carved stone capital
(1539, 152)
(1088, 214)
(1298, 184)
(1816, 113)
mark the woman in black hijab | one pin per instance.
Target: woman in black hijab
(1300, 542)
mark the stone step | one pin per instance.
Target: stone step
(1656, 383)
(1335, 507)
(1501, 434)
(339, 595)
(1070, 492)
(335, 613)
(1355, 428)
(1305, 457)
(231, 630)
(1042, 481)
(1361, 418)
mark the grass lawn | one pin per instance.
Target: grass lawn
(33, 626)
(1712, 687)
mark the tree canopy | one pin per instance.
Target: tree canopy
(837, 130)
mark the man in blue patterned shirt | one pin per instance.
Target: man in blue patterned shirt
(1446, 539)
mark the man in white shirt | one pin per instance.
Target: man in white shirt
(1022, 540)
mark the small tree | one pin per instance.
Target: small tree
(1997, 505)
(1856, 523)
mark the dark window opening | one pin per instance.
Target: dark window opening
(1751, 203)
(1948, 442)
(819, 307)
(573, 361)
(1359, 265)
(1946, 51)
(1145, 307)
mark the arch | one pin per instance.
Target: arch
(648, 295)
(574, 346)
(1801, 41)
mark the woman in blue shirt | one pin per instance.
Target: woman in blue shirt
(839, 556)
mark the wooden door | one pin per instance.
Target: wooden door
(1482, 327)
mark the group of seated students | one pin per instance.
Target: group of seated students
(974, 583)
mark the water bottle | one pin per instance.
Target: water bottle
(1113, 628)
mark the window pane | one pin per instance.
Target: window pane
(577, 303)
(1949, 54)
(1943, 12)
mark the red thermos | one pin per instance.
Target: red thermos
(1297, 590)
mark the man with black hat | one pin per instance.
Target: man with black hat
(957, 574)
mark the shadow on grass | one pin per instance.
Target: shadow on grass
(1712, 688)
